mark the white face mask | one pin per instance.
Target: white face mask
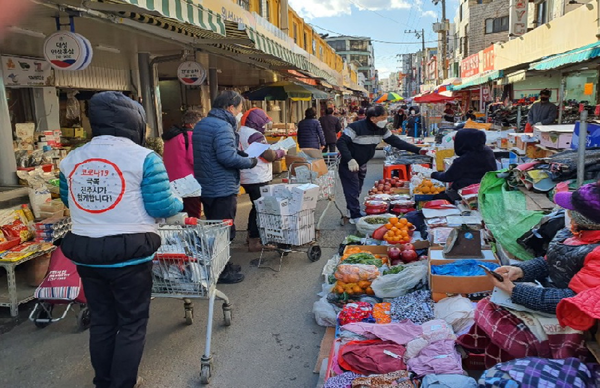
(382, 123)
(238, 118)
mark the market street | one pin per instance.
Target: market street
(273, 340)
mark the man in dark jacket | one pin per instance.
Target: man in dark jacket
(115, 189)
(542, 112)
(357, 146)
(414, 126)
(474, 160)
(217, 164)
(310, 133)
(331, 127)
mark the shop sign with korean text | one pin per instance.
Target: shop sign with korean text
(191, 73)
(67, 50)
(469, 66)
(26, 72)
(518, 18)
(488, 59)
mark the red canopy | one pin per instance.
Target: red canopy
(433, 98)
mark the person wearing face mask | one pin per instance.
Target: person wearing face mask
(542, 112)
(357, 146)
(217, 164)
(254, 123)
(414, 126)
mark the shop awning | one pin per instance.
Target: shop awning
(512, 78)
(434, 98)
(478, 80)
(185, 11)
(581, 54)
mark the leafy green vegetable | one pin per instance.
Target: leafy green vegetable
(363, 258)
(376, 220)
(393, 270)
(350, 239)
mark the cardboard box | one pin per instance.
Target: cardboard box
(316, 163)
(554, 136)
(279, 206)
(277, 167)
(304, 197)
(442, 286)
(593, 136)
(68, 132)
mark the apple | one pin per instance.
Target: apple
(408, 247)
(394, 253)
(397, 262)
(380, 187)
(409, 256)
(382, 181)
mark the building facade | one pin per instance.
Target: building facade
(358, 51)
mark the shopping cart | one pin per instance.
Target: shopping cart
(187, 266)
(288, 232)
(327, 183)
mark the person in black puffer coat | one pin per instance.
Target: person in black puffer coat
(310, 132)
(475, 159)
(414, 125)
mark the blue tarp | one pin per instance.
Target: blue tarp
(463, 268)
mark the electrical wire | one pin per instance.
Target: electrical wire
(372, 40)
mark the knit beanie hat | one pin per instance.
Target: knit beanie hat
(585, 200)
(583, 222)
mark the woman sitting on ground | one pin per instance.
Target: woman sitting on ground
(571, 265)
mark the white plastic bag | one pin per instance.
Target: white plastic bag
(325, 314)
(457, 311)
(395, 285)
(367, 229)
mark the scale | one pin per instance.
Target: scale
(463, 242)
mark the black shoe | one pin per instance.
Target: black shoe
(230, 277)
(232, 268)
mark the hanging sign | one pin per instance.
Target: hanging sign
(191, 73)
(68, 51)
(96, 185)
(26, 72)
(469, 66)
(488, 58)
(518, 17)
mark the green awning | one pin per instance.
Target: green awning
(581, 54)
(185, 11)
(512, 78)
(478, 80)
(269, 46)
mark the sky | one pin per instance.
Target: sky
(381, 20)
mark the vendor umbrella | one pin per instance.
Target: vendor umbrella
(283, 90)
(388, 97)
(435, 98)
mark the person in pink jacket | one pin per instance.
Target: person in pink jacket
(178, 156)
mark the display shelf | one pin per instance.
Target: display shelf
(13, 291)
(8, 193)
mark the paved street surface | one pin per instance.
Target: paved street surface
(273, 340)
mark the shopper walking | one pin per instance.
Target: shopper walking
(414, 125)
(254, 123)
(331, 127)
(217, 164)
(310, 133)
(178, 156)
(115, 188)
(357, 146)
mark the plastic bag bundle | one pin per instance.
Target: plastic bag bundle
(457, 311)
(392, 286)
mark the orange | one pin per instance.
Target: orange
(370, 291)
(394, 229)
(393, 220)
(408, 224)
(353, 278)
(403, 221)
(357, 290)
(388, 226)
(339, 289)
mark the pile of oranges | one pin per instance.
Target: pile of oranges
(428, 187)
(399, 231)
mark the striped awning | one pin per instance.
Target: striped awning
(512, 78)
(186, 11)
(581, 54)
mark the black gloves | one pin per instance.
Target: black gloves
(254, 162)
(242, 153)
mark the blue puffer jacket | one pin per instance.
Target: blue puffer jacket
(217, 163)
(310, 134)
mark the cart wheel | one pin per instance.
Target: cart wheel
(227, 313)
(45, 312)
(205, 374)
(314, 253)
(83, 319)
(189, 316)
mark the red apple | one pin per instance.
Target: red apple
(394, 253)
(408, 247)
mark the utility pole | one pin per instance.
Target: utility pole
(421, 35)
(444, 38)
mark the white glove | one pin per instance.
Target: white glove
(427, 174)
(353, 166)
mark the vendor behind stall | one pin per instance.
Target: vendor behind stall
(474, 160)
(357, 146)
(448, 113)
(542, 112)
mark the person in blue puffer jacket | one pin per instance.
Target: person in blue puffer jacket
(115, 189)
(217, 164)
(310, 132)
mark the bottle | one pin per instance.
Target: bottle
(28, 212)
(181, 219)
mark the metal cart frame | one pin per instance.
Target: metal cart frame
(187, 266)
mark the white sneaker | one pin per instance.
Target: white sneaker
(353, 221)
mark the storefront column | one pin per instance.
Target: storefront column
(47, 109)
(146, 90)
(8, 163)
(213, 83)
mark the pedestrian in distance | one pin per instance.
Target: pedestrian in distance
(217, 165)
(357, 146)
(542, 112)
(254, 124)
(331, 127)
(178, 156)
(310, 133)
(114, 234)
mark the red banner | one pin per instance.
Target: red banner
(488, 59)
(469, 66)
